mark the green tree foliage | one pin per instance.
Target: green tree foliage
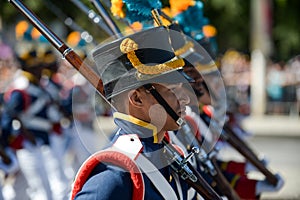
(286, 29)
(232, 19)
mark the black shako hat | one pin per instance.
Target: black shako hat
(137, 59)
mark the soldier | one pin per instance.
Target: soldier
(9, 164)
(139, 72)
(26, 124)
(58, 141)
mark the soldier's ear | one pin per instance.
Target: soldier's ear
(135, 98)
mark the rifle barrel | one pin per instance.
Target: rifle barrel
(68, 21)
(92, 16)
(51, 37)
(107, 19)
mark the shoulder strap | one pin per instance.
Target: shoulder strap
(158, 180)
(131, 146)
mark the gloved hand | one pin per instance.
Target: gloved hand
(265, 186)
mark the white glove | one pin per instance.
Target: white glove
(265, 186)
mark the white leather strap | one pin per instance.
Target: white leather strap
(158, 180)
(178, 185)
(131, 146)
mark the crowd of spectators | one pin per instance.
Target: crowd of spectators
(282, 84)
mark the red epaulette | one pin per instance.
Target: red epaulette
(117, 156)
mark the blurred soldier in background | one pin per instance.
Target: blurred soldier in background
(31, 117)
(25, 123)
(9, 165)
(52, 84)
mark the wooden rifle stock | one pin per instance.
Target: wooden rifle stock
(243, 148)
(84, 69)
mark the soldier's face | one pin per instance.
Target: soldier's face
(177, 99)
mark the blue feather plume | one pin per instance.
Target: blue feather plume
(192, 20)
(140, 10)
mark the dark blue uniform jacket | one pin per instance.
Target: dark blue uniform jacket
(111, 182)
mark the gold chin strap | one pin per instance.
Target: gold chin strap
(128, 46)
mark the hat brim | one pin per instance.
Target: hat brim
(130, 81)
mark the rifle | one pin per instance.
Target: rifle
(68, 21)
(96, 19)
(244, 149)
(187, 172)
(241, 146)
(107, 19)
(208, 162)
